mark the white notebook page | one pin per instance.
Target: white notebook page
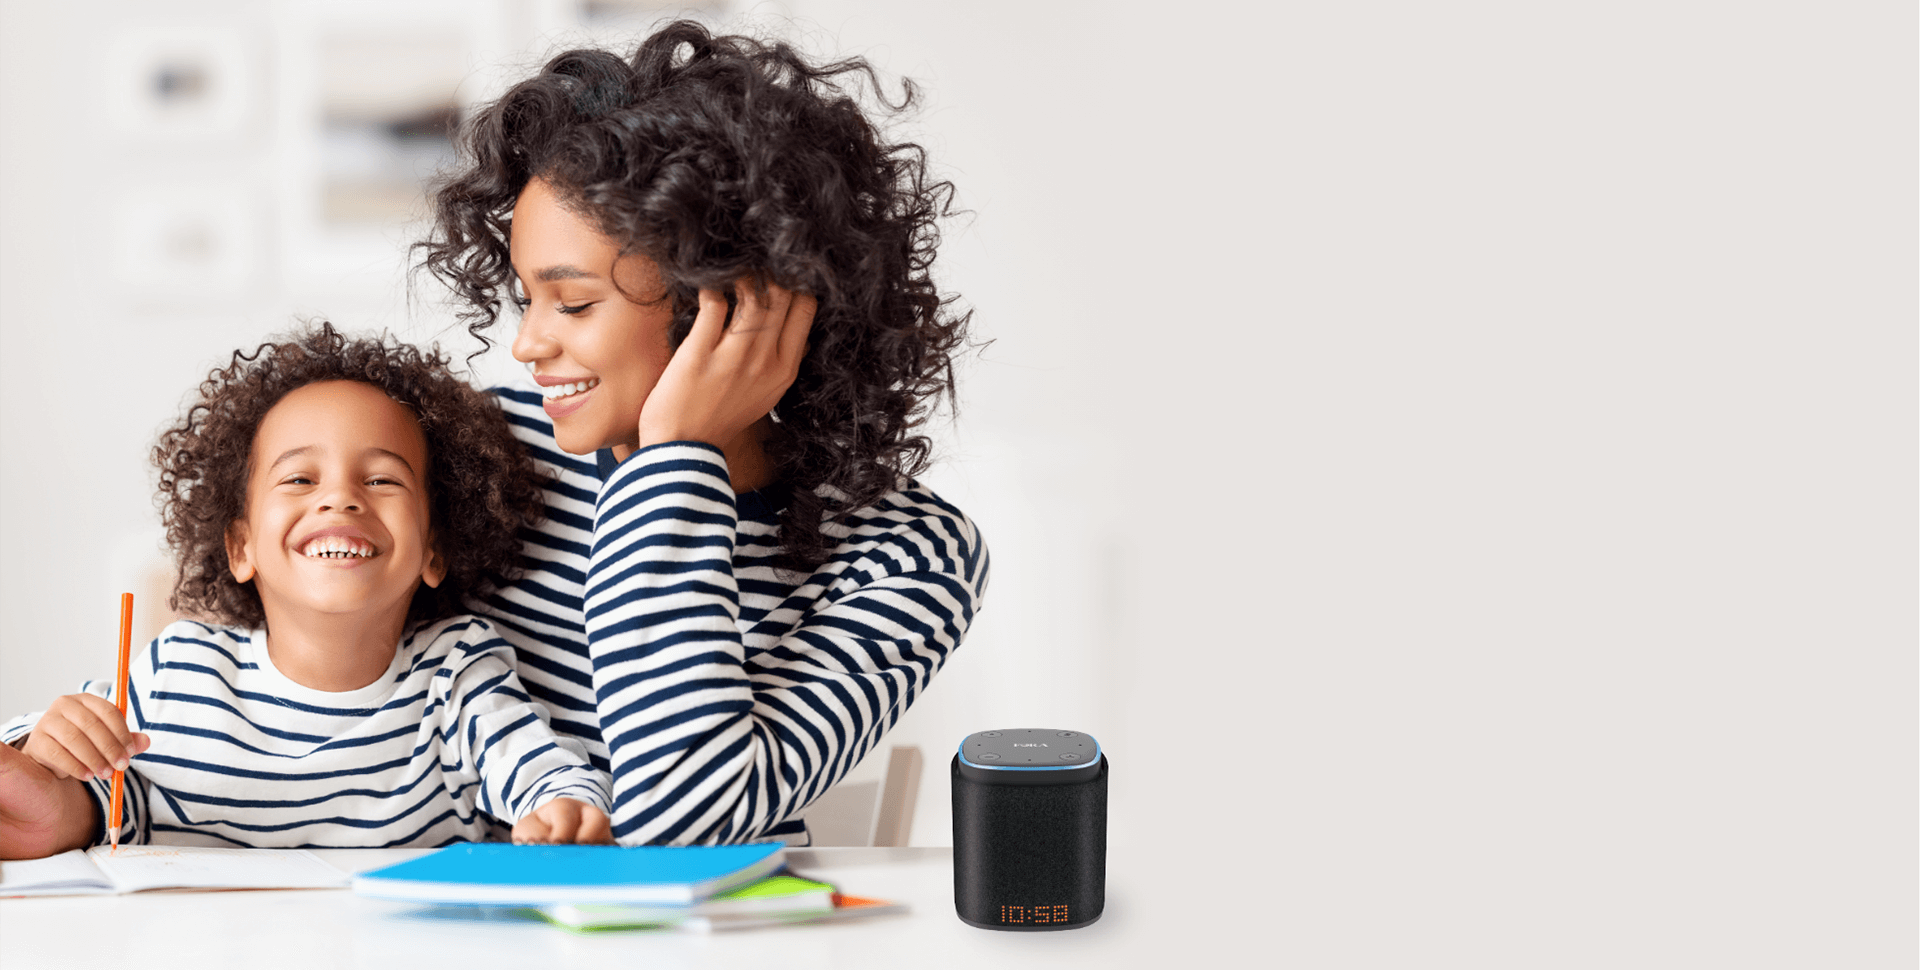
(137, 867)
(66, 874)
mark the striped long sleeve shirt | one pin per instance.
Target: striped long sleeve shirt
(445, 747)
(723, 694)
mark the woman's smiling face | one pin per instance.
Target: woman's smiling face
(595, 353)
(337, 513)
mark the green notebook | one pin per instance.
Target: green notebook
(782, 895)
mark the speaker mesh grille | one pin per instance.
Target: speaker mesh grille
(1022, 851)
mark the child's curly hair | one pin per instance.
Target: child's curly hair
(721, 158)
(482, 489)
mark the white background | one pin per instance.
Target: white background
(1460, 458)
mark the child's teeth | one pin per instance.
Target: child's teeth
(335, 547)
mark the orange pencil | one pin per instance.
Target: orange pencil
(120, 700)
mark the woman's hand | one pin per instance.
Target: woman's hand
(563, 820)
(724, 376)
(83, 736)
(40, 814)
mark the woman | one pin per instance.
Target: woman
(723, 276)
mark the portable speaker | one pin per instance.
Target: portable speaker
(1029, 829)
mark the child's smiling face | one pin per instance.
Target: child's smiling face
(337, 516)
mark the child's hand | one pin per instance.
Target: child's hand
(40, 815)
(563, 820)
(83, 736)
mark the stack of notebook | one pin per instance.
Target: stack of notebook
(593, 887)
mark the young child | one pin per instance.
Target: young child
(332, 504)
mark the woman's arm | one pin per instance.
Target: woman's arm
(707, 745)
(41, 814)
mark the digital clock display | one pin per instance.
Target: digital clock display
(1033, 915)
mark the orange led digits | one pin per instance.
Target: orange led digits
(1034, 914)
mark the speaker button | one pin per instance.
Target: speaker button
(1069, 756)
(989, 756)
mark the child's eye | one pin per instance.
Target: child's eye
(296, 480)
(572, 310)
(521, 302)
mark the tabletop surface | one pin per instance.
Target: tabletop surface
(335, 928)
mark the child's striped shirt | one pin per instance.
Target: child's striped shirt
(443, 748)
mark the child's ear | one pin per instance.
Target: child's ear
(436, 568)
(240, 551)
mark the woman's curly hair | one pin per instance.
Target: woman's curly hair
(722, 157)
(482, 489)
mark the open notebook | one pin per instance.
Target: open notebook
(137, 868)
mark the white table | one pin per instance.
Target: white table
(335, 928)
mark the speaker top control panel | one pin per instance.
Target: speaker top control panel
(1029, 756)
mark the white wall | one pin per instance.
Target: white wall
(1460, 458)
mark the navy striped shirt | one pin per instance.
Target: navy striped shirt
(724, 695)
(443, 748)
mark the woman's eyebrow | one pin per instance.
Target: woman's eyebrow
(564, 271)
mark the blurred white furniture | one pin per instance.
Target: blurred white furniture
(139, 564)
(871, 812)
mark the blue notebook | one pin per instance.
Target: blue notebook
(499, 874)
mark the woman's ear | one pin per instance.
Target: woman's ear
(240, 551)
